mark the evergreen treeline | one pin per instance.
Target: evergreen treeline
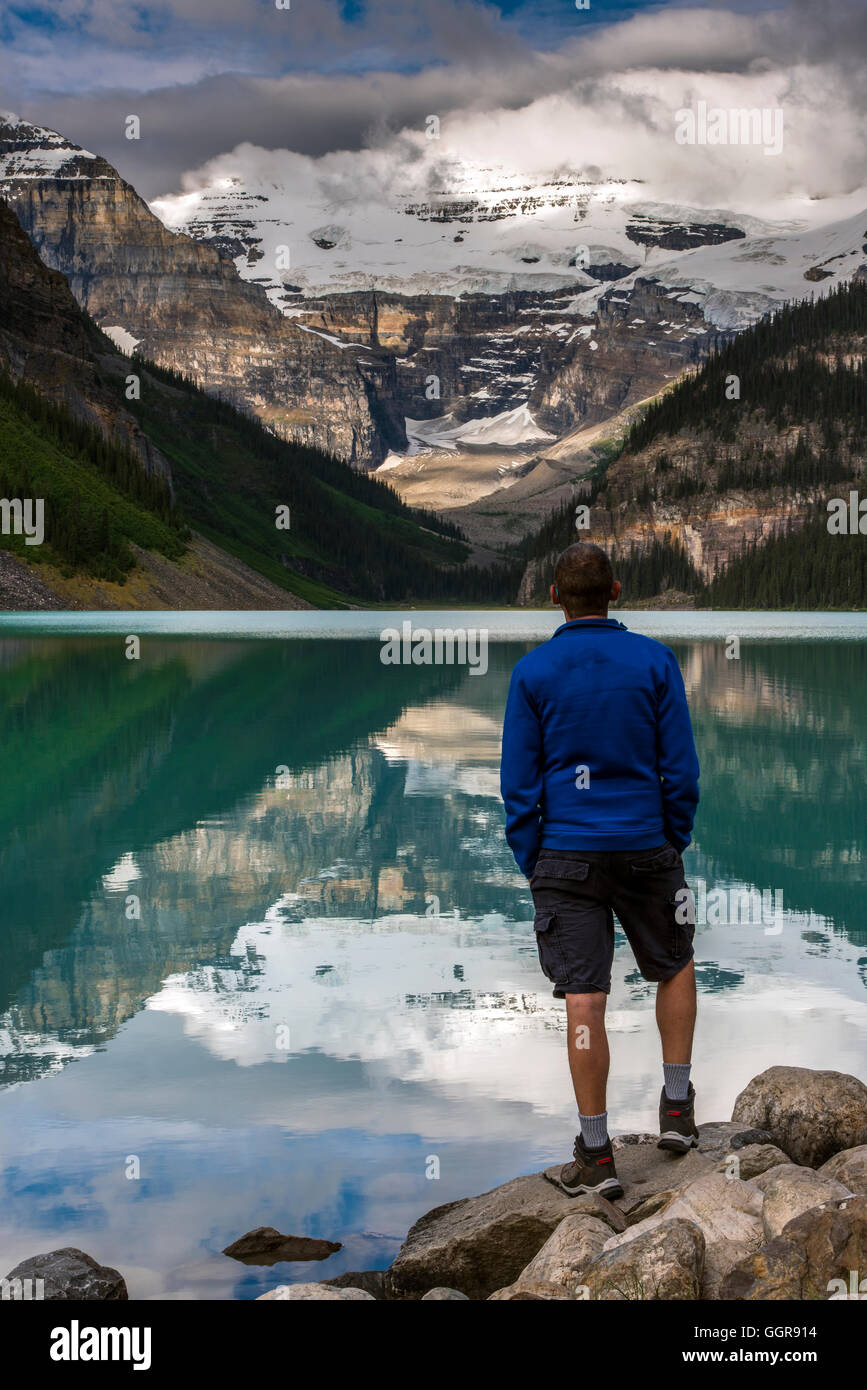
(328, 467)
(96, 496)
(782, 372)
(350, 535)
(84, 440)
(802, 375)
(804, 568)
(647, 571)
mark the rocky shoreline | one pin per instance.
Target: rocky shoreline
(772, 1205)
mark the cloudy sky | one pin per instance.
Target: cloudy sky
(526, 84)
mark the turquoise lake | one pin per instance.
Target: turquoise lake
(266, 950)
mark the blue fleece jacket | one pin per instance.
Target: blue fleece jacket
(598, 752)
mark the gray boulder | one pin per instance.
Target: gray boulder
(70, 1274)
(567, 1250)
(483, 1243)
(788, 1191)
(322, 1293)
(665, 1263)
(850, 1168)
(819, 1255)
(725, 1210)
(810, 1115)
(752, 1161)
(724, 1137)
(444, 1296)
(644, 1170)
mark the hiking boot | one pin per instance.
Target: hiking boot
(677, 1129)
(592, 1171)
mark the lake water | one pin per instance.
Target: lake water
(332, 979)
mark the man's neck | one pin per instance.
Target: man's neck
(584, 617)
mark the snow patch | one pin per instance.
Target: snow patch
(509, 429)
(121, 338)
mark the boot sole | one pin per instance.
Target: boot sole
(677, 1143)
(610, 1188)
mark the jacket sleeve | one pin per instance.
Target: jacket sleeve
(677, 760)
(521, 774)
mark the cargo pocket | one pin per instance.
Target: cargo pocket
(681, 907)
(550, 954)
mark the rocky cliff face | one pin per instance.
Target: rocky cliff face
(639, 340)
(47, 341)
(182, 303)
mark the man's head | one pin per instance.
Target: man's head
(584, 582)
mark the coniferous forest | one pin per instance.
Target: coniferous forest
(774, 421)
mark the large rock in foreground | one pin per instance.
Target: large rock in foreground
(71, 1274)
(662, 1264)
(810, 1115)
(726, 1211)
(483, 1243)
(789, 1191)
(814, 1258)
(576, 1241)
(644, 1170)
(305, 1293)
(373, 1281)
(850, 1168)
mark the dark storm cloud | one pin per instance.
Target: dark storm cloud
(412, 59)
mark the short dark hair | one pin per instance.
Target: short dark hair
(583, 576)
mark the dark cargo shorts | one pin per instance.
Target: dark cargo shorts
(576, 894)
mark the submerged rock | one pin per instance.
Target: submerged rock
(70, 1274)
(266, 1246)
(810, 1115)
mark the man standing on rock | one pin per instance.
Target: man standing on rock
(599, 777)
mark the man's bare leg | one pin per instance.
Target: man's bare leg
(592, 1169)
(675, 1014)
(588, 1050)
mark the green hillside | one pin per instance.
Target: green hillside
(97, 496)
(349, 533)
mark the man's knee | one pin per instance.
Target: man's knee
(586, 1006)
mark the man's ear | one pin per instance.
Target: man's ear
(555, 595)
(615, 591)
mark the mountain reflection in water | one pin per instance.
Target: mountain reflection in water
(333, 974)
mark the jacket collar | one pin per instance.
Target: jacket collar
(590, 622)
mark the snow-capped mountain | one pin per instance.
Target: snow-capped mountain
(486, 232)
(532, 307)
(489, 232)
(429, 313)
